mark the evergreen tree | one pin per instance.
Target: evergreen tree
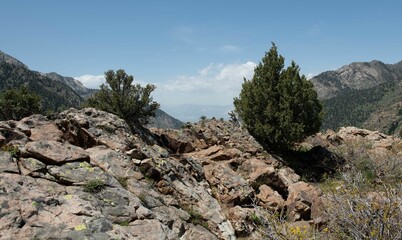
(18, 103)
(119, 96)
(278, 106)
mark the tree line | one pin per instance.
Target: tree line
(278, 106)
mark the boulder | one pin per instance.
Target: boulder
(52, 152)
(230, 188)
(258, 172)
(197, 232)
(113, 162)
(90, 177)
(300, 200)
(47, 131)
(7, 163)
(270, 199)
(32, 167)
(79, 173)
(150, 229)
(239, 217)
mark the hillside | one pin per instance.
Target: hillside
(72, 83)
(359, 93)
(164, 120)
(55, 95)
(10, 60)
(83, 175)
(59, 92)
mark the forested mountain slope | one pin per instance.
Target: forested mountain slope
(360, 93)
(55, 95)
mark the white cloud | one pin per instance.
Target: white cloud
(216, 84)
(91, 81)
(209, 91)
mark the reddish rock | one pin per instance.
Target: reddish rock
(53, 152)
(239, 217)
(47, 131)
(7, 163)
(270, 199)
(230, 188)
(226, 154)
(300, 200)
(258, 172)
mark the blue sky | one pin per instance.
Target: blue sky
(196, 52)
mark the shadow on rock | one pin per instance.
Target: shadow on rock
(313, 165)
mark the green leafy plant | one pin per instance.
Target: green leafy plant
(94, 186)
(13, 150)
(254, 218)
(196, 218)
(278, 106)
(119, 96)
(124, 223)
(18, 103)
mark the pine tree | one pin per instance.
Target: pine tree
(18, 103)
(278, 106)
(119, 96)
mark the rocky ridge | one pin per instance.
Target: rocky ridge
(83, 175)
(357, 75)
(72, 83)
(10, 60)
(362, 94)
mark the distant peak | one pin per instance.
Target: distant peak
(11, 60)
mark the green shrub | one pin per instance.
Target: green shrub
(278, 106)
(254, 218)
(18, 103)
(13, 150)
(94, 186)
(119, 96)
(196, 218)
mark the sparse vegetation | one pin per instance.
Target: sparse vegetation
(13, 150)
(124, 223)
(94, 186)
(255, 219)
(123, 181)
(196, 218)
(364, 201)
(359, 212)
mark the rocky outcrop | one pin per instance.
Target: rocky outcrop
(376, 143)
(357, 75)
(83, 175)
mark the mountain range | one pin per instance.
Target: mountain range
(59, 92)
(362, 94)
(56, 95)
